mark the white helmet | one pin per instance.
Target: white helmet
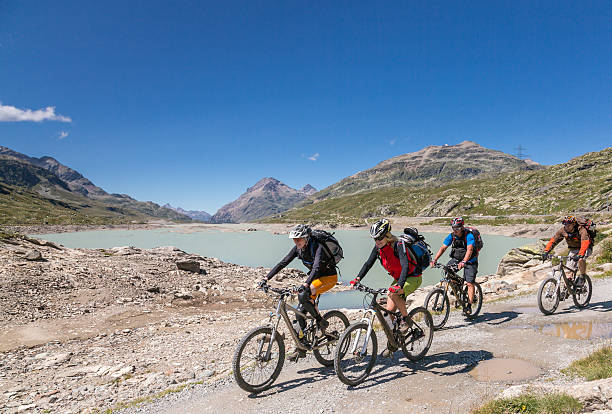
(300, 231)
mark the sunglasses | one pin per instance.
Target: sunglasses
(380, 237)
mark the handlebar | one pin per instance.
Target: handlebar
(364, 288)
(281, 291)
(452, 268)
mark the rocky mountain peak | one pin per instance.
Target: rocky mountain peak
(308, 189)
(435, 164)
(268, 196)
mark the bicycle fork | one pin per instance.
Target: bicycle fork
(370, 322)
(276, 315)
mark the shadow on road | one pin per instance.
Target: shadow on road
(601, 306)
(490, 318)
(311, 375)
(444, 363)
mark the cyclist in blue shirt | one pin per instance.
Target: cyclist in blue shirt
(463, 254)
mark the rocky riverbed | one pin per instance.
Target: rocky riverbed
(84, 329)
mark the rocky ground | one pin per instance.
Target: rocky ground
(85, 330)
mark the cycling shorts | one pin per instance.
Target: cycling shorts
(323, 284)
(411, 284)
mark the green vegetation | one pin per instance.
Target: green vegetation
(580, 184)
(532, 403)
(606, 251)
(596, 366)
(497, 221)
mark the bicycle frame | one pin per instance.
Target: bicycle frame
(375, 310)
(454, 284)
(560, 270)
(282, 309)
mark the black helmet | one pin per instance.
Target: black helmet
(380, 229)
(299, 231)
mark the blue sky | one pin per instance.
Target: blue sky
(192, 102)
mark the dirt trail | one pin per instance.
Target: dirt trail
(510, 343)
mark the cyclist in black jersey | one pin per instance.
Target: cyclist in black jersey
(322, 275)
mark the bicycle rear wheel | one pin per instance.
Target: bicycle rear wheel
(417, 341)
(548, 296)
(582, 295)
(477, 304)
(252, 370)
(338, 322)
(438, 305)
(355, 354)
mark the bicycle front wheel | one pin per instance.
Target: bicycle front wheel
(254, 369)
(438, 305)
(548, 296)
(582, 294)
(338, 322)
(477, 304)
(355, 354)
(417, 341)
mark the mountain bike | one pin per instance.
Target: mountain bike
(552, 291)
(438, 302)
(356, 350)
(260, 355)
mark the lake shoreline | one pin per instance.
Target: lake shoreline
(511, 230)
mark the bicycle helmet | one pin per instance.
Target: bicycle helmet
(299, 231)
(380, 229)
(569, 220)
(457, 222)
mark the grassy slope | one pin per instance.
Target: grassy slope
(580, 184)
(20, 206)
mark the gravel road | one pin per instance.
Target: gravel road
(511, 342)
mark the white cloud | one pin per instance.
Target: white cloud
(314, 157)
(393, 141)
(63, 134)
(12, 114)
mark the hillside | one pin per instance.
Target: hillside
(268, 196)
(194, 214)
(583, 183)
(32, 191)
(433, 165)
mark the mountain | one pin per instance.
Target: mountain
(268, 196)
(581, 184)
(194, 214)
(433, 165)
(38, 190)
(76, 182)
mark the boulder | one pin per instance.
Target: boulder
(189, 265)
(33, 256)
(520, 258)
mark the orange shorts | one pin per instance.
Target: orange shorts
(323, 284)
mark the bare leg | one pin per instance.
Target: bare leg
(396, 301)
(470, 286)
(582, 266)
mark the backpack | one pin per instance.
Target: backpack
(418, 247)
(590, 227)
(478, 243)
(330, 244)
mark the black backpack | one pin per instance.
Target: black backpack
(330, 244)
(418, 247)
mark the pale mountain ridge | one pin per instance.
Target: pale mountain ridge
(435, 164)
(268, 196)
(194, 214)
